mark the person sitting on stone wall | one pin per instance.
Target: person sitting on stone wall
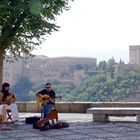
(8, 100)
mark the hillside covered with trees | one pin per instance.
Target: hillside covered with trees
(101, 84)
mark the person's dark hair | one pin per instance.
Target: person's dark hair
(5, 85)
(48, 84)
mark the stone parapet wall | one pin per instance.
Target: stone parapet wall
(73, 107)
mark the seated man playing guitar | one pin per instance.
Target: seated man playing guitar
(46, 98)
(8, 100)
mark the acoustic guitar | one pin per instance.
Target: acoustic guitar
(53, 115)
(41, 99)
(10, 99)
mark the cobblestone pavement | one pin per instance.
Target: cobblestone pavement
(81, 128)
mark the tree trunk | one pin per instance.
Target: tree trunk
(1, 68)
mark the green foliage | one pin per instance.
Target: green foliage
(22, 89)
(24, 23)
(97, 86)
(103, 88)
(102, 66)
(111, 65)
(64, 72)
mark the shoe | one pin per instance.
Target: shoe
(17, 123)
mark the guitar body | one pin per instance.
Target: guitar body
(51, 122)
(41, 99)
(53, 115)
(10, 99)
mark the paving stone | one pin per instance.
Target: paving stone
(125, 138)
(38, 138)
(80, 127)
(3, 137)
(24, 134)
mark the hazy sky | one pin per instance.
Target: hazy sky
(96, 28)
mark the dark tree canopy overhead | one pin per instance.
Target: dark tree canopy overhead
(24, 23)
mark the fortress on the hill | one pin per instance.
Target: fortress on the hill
(42, 68)
(61, 69)
(134, 54)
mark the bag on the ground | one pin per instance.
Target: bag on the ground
(32, 120)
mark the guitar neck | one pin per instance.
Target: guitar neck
(58, 97)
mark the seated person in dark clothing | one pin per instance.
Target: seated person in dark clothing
(46, 98)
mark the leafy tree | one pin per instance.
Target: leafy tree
(22, 88)
(65, 72)
(102, 66)
(111, 65)
(25, 23)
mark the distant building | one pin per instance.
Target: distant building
(134, 54)
(47, 69)
(124, 68)
(134, 60)
(12, 70)
(42, 68)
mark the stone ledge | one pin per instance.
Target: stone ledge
(73, 107)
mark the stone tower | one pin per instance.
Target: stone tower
(134, 54)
